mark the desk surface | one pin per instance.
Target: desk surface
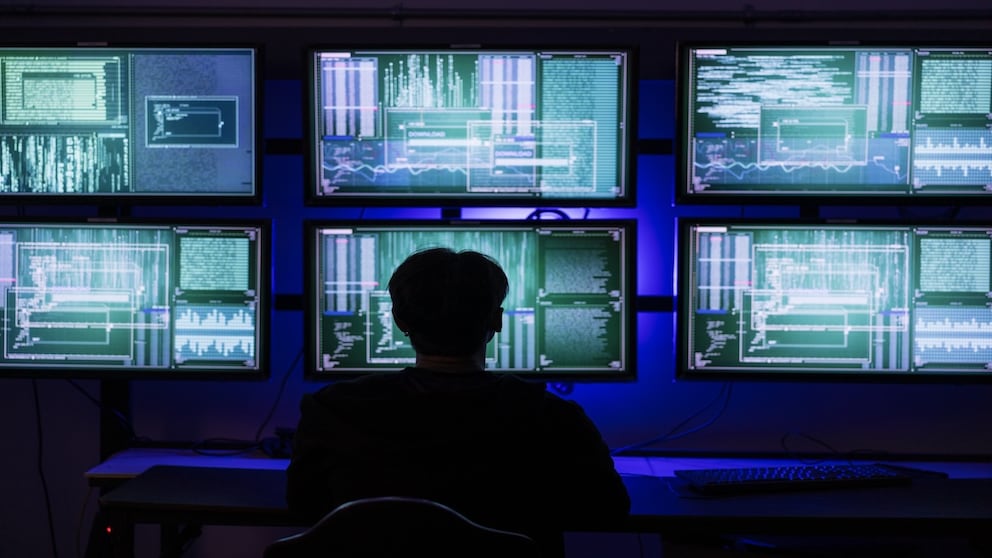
(130, 463)
(222, 495)
(930, 506)
(209, 495)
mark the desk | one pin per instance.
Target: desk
(172, 495)
(181, 499)
(208, 498)
(936, 507)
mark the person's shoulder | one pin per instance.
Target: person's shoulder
(517, 387)
(513, 384)
(369, 385)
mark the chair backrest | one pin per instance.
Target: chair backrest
(397, 527)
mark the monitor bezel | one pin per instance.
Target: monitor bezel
(626, 158)
(128, 199)
(629, 344)
(684, 82)
(683, 353)
(261, 371)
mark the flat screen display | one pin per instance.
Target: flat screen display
(470, 126)
(129, 125)
(835, 123)
(855, 301)
(134, 299)
(568, 313)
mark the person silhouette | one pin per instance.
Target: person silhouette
(505, 452)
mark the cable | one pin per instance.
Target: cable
(784, 442)
(725, 392)
(79, 524)
(41, 467)
(282, 388)
(238, 447)
(537, 213)
(850, 456)
(121, 418)
(127, 426)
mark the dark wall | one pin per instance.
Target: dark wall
(53, 426)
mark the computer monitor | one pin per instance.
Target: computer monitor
(823, 301)
(135, 299)
(129, 125)
(470, 126)
(567, 316)
(835, 124)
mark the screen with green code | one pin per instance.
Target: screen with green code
(567, 314)
(470, 126)
(133, 299)
(794, 122)
(129, 124)
(855, 300)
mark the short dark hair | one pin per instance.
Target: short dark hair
(447, 299)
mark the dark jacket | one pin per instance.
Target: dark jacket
(504, 452)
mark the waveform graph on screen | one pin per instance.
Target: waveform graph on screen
(948, 157)
(216, 299)
(953, 335)
(952, 141)
(953, 316)
(84, 296)
(211, 333)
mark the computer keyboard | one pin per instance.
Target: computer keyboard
(790, 478)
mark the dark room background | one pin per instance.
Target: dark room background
(939, 420)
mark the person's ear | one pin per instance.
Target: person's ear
(495, 325)
(497, 322)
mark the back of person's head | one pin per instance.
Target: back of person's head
(448, 301)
